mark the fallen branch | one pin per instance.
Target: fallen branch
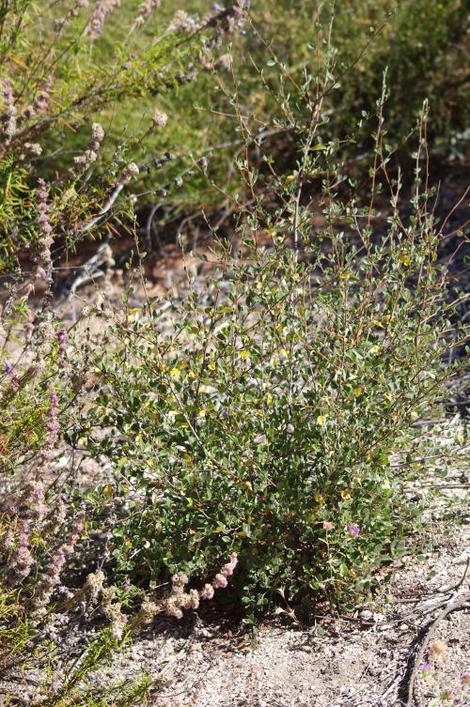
(406, 692)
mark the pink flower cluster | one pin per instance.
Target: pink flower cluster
(40, 105)
(220, 580)
(62, 338)
(51, 576)
(91, 153)
(44, 266)
(8, 118)
(22, 560)
(74, 11)
(29, 511)
(184, 22)
(145, 9)
(43, 207)
(98, 17)
(52, 429)
(237, 16)
(130, 171)
(180, 599)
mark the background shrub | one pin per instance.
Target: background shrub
(182, 63)
(60, 80)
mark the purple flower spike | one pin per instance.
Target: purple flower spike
(354, 530)
(425, 667)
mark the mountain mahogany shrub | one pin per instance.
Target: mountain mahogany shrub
(58, 93)
(260, 415)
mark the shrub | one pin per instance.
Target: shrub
(260, 414)
(39, 527)
(192, 76)
(254, 420)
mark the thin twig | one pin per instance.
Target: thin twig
(422, 640)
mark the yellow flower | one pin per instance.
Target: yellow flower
(202, 412)
(175, 373)
(290, 177)
(374, 349)
(358, 391)
(321, 420)
(319, 498)
(191, 374)
(212, 366)
(269, 399)
(244, 355)
(405, 259)
(284, 353)
(345, 494)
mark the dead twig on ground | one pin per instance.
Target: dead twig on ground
(420, 643)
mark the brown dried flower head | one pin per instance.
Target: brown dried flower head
(438, 651)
